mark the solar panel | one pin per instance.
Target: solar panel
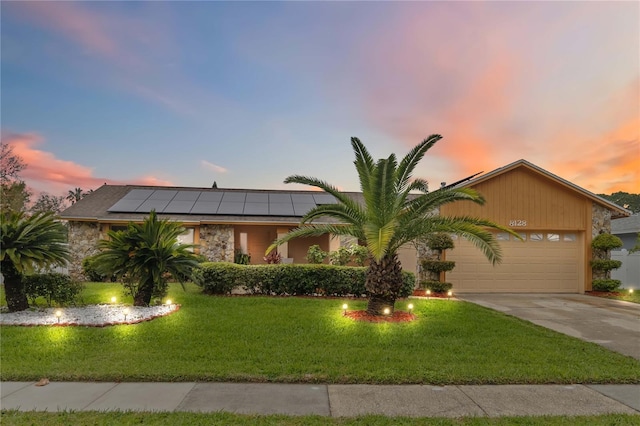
(125, 205)
(138, 194)
(234, 197)
(256, 209)
(157, 205)
(210, 196)
(281, 209)
(230, 208)
(322, 198)
(302, 198)
(187, 196)
(182, 207)
(257, 197)
(163, 194)
(280, 198)
(205, 207)
(301, 209)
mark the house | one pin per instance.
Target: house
(627, 229)
(556, 219)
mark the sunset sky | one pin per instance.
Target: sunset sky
(248, 93)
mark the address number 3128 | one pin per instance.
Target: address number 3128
(517, 222)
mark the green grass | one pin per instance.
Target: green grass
(132, 418)
(260, 339)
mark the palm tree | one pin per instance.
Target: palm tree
(392, 215)
(75, 195)
(143, 253)
(28, 243)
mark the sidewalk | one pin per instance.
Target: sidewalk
(325, 400)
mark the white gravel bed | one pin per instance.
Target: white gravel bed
(92, 315)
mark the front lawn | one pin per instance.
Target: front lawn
(308, 340)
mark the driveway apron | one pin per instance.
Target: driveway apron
(614, 324)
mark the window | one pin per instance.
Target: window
(523, 235)
(553, 237)
(502, 236)
(570, 238)
(535, 236)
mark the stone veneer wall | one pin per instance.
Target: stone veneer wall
(83, 239)
(600, 224)
(217, 242)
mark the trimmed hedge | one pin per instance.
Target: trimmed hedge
(606, 285)
(438, 265)
(436, 286)
(287, 279)
(605, 264)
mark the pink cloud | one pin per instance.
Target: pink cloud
(213, 167)
(45, 172)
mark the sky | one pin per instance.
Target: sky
(248, 93)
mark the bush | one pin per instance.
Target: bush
(606, 285)
(218, 277)
(316, 255)
(340, 257)
(309, 280)
(53, 287)
(438, 265)
(90, 272)
(439, 241)
(360, 254)
(241, 258)
(436, 286)
(606, 242)
(605, 264)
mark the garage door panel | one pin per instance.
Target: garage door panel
(529, 266)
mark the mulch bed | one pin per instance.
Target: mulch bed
(604, 293)
(398, 316)
(423, 293)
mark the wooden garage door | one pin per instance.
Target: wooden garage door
(546, 262)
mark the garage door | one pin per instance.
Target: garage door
(545, 262)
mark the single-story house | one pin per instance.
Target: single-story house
(556, 218)
(627, 229)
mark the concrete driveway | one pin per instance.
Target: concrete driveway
(614, 324)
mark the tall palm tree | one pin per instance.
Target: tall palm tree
(75, 195)
(28, 243)
(396, 210)
(143, 254)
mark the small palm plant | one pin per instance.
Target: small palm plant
(397, 210)
(143, 254)
(29, 243)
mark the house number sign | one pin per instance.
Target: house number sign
(517, 222)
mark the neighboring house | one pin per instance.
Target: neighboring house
(627, 229)
(556, 218)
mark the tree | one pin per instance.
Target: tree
(14, 194)
(75, 195)
(48, 203)
(392, 216)
(10, 164)
(143, 254)
(624, 199)
(28, 243)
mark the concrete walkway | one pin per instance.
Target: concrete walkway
(325, 400)
(614, 324)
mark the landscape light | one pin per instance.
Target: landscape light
(58, 315)
(630, 291)
(428, 293)
(387, 311)
(410, 306)
(449, 293)
(126, 312)
(169, 302)
(113, 299)
(344, 309)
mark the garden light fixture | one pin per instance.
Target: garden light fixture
(169, 302)
(410, 306)
(113, 299)
(126, 312)
(344, 309)
(428, 293)
(58, 315)
(630, 291)
(449, 294)
(387, 311)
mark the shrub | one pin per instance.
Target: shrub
(605, 264)
(439, 241)
(309, 280)
(316, 255)
(340, 257)
(218, 277)
(438, 265)
(90, 272)
(436, 286)
(606, 285)
(53, 287)
(606, 242)
(241, 258)
(359, 254)
(273, 257)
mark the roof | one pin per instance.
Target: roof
(124, 203)
(626, 225)
(616, 210)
